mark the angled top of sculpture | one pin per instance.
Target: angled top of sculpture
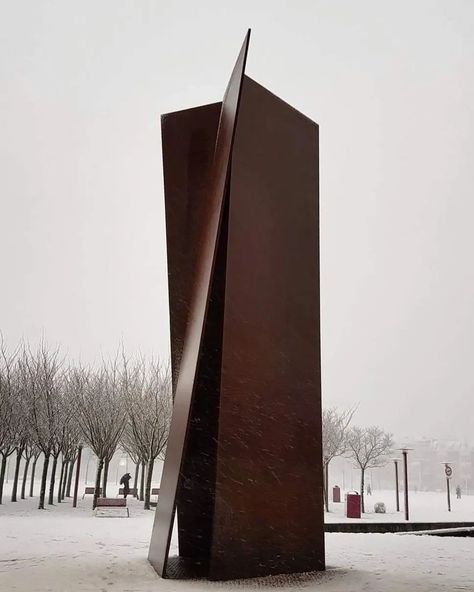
(242, 220)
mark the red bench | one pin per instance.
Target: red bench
(90, 491)
(112, 502)
(133, 491)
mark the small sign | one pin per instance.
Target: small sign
(448, 471)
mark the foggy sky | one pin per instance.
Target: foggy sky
(391, 84)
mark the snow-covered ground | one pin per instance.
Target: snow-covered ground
(69, 550)
(423, 507)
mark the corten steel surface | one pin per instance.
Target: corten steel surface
(205, 246)
(188, 147)
(244, 459)
(269, 475)
(188, 138)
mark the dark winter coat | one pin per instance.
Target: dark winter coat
(125, 481)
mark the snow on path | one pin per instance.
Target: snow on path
(68, 550)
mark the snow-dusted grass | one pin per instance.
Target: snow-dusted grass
(69, 550)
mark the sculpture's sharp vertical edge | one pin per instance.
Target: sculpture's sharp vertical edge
(198, 303)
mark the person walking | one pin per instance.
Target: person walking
(125, 481)
(458, 492)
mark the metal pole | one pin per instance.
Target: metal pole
(397, 494)
(76, 484)
(87, 465)
(405, 466)
(327, 484)
(448, 490)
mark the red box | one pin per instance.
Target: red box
(353, 505)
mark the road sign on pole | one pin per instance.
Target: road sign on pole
(448, 471)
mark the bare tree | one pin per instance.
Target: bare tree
(72, 462)
(36, 456)
(369, 448)
(335, 432)
(8, 413)
(22, 438)
(30, 452)
(128, 445)
(41, 378)
(101, 412)
(69, 449)
(134, 384)
(68, 434)
(149, 405)
(47, 410)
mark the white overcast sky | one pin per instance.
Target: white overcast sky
(391, 84)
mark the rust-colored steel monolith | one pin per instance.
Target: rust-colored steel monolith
(243, 468)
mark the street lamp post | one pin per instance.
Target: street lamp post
(449, 494)
(404, 451)
(87, 466)
(397, 491)
(326, 482)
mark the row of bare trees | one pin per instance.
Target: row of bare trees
(368, 447)
(50, 408)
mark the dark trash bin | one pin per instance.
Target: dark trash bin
(336, 494)
(353, 505)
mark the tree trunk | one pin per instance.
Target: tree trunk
(63, 488)
(32, 476)
(2, 475)
(142, 482)
(52, 480)
(69, 477)
(149, 475)
(105, 477)
(135, 482)
(25, 477)
(78, 474)
(61, 477)
(44, 478)
(362, 485)
(19, 452)
(100, 464)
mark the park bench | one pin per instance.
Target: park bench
(133, 491)
(112, 502)
(90, 491)
(155, 491)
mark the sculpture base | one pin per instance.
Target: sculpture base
(182, 568)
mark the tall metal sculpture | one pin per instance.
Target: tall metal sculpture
(243, 466)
